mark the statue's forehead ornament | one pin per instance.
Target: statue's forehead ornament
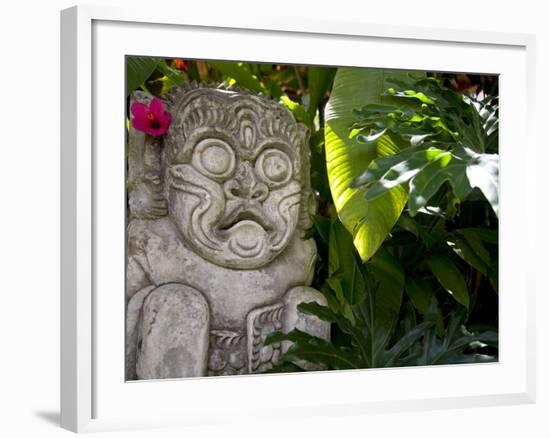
(246, 120)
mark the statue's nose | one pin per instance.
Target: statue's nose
(245, 185)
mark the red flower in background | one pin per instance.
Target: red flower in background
(180, 64)
(152, 119)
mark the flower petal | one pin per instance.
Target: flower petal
(139, 109)
(140, 124)
(142, 120)
(157, 108)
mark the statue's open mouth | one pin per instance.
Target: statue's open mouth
(241, 214)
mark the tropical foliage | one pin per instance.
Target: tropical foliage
(405, 169)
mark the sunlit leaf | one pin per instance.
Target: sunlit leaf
(368, 222)
(242, 75)
(171, 73)
(426, 183)
(404, 170)
(411, 94)
(482, 172)
(297, 109)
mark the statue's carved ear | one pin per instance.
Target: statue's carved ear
(145, 180)
(303, 135)
(308, 204)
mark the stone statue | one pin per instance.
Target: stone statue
(216, 256)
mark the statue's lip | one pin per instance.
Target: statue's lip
(241, 214)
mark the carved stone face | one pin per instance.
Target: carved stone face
(234, 173)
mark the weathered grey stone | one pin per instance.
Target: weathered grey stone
(218, 211)
(174, 333)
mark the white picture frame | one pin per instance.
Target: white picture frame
(94, 397)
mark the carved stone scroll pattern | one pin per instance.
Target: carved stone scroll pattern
(227, 355)
(261, 323)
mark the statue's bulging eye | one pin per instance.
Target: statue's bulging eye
(274, 166)
(214, 158)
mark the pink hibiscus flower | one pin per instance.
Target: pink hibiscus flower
(153, 119)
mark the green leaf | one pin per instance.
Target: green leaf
(411, 94)
(493, 277)
(322, 225)
(324, 354)
(298, 110)
(342, 262)
(404, 343)
(346, 325)
(344, 306)
(319, 178)
(368, 222)
(389, 295)
(172, 74)
(407, 223)
(483, 172)
(450, 277)
(332, 301)
(462, 248)
(486, 235)
(459, 124)
(419, 292)
(313, 349)
(319, 82)
(326, 314)
(293, 336)
(242, 75)
(285, 367)
(380, 166)
(273, 87)
(406, 169)
(472, 236)
(426, 183)
(138, 70)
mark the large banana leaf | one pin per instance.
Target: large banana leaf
(368, 221)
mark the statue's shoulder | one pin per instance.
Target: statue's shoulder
(301, 252)
(306, 246)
